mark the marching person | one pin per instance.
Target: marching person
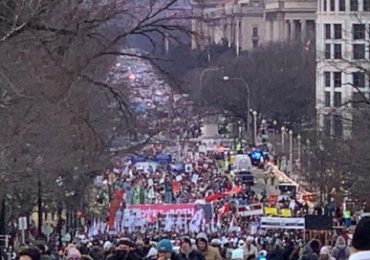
(209, 252)
(189, 253)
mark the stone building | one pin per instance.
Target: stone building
(342, 40)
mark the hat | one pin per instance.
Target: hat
(152, 252)
(203, 237)
(186, 240)
(324, 250)
(73, 252)
(216, 242)
(107, 245)
(165, 245)
(125, 242)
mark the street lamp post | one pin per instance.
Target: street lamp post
(282, 139)
(227, 78)
(204, 72)
(255, 126)
(290, 151)
(299, 139)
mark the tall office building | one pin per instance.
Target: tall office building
(342, 42)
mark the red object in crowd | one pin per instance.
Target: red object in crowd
(175, 187)
(214, 197)
(272, 198)
(225, 208)
(234, 190)
(114, 206)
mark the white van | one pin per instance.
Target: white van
(243, 163)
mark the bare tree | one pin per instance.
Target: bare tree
(56, 101)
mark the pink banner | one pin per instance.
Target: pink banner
(150, 211)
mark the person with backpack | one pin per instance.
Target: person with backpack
(341, 251)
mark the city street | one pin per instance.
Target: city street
(184, 130)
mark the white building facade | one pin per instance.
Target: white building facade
(342, 44)
(246, 24)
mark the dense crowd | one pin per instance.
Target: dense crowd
(274, 246)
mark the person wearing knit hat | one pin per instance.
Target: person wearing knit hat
(73, 254)
(165, 251)
(188, 252)
(209, 252)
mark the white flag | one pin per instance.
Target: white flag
(168, 223)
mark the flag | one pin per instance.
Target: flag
(214, 197)
(186, 224)
(218, 222)
(232, 224)
(157, 223)
(213, 228)
(168, 223)
(114, 206)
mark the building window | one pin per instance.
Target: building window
(342, 5)
(327, 51)
(255, 43)
(332, 5)
(327, 79)
(354, 5)
(337, 99)
(325, 6)
(366, 5)
(327, 31)
(338, 126)
(327, 125)
(358, 79)
(255, 31)
(358, 31)
(357, 99)
(337, 51)
(327, 99)
(358, 51)
(337, 79)
(337, 31)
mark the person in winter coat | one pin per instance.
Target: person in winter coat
(311, 251)
(277, 253)
(209, 252)
(250, 250)
(165, 251)
(341, 251)
(325, 254)
(187, 252)
(361, 240)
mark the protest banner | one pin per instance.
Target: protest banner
(250, 210)
(282, 223)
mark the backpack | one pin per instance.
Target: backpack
(342, 254)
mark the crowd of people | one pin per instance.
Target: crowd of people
(205, 176)
(282, 246)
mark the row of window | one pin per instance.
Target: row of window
(333, 124)
(334, 31)
(334, 51)
(334, 79)
(337, 101)
(354, 5)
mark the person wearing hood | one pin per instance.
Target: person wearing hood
(277, 253)
(341, 251)
(361, 240)
(209, 252)
(250, 250)
(325, 254)
(311, 251)
(187, 252)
